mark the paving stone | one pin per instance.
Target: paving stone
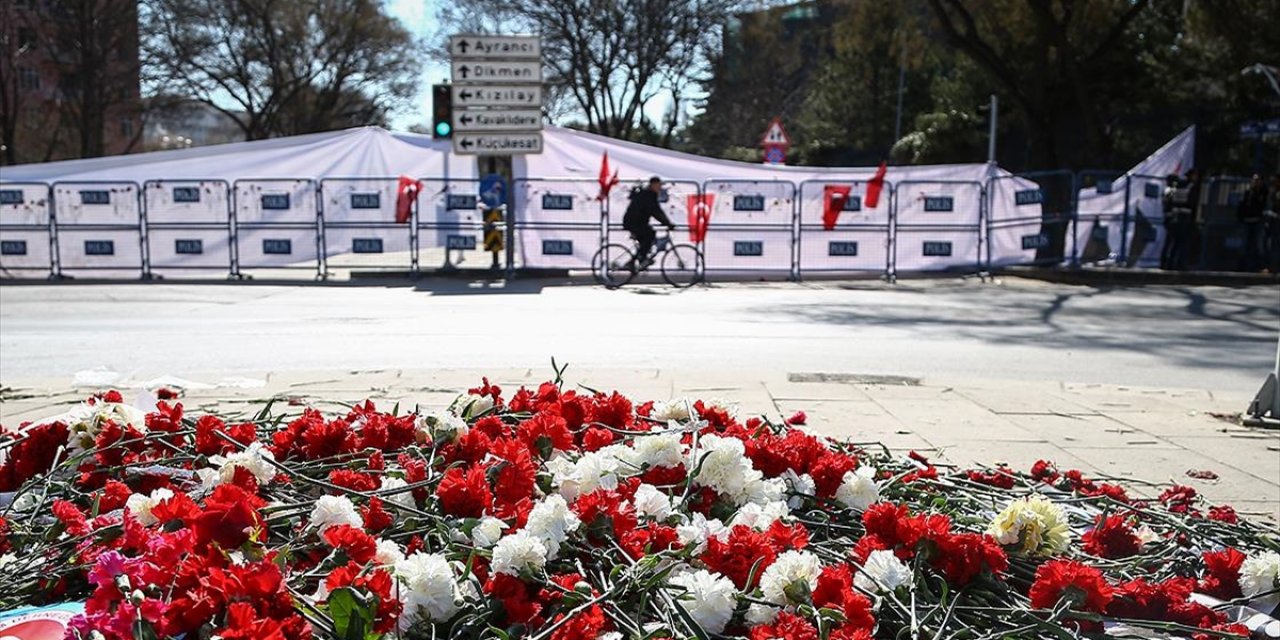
(1171, 466)
(1255, 454)
(1088, 430)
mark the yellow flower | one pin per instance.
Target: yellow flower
(1032, 526)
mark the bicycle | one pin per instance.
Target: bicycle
(614, 265)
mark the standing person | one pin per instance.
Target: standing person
(1249, 214)
(1193, 230)
(644, 205)
(1271, 227)
(1176, 212)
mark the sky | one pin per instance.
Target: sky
(419, 16)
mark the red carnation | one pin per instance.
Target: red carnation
(544, 433)
(517, 600)
(359, 546)
(375, 516)
(229, 518)
(33, 455)
(1082, 586)
(1112, 537)
(786, 625)
(465, 493)
(828, 472)
(1222, 573)
(735, 556)
(835, 590)
(354, 480)
(71, 516)
(1044, 471)
(1224, 513)
(961, 557)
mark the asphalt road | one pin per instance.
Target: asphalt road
(1188, 337)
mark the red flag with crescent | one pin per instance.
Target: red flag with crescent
(406, 194)
(699, 205)
(833, 198)
(875, 186)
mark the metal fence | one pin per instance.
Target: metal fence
(177, 227)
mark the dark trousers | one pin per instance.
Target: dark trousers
(1177, 245)
(1253, 246)
(644, 236)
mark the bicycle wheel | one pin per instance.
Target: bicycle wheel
(682, 266)
(613, 266)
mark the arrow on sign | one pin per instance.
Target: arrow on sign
(463, 71)
(466, 119)
(465, 95)
(466, 143)
(463, 46)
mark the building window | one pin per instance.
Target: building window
(126, 127)
(28, 78)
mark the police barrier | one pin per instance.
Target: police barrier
(1101, 209)
(559, 223)
(1222, 237)
(360, 228)
(858, 237)
(752, 226)
(450, 223)
(1029, 218)
(277, 225)
(188, 225)
(26, 230)
(1145, 226)
(98, 226)
(937, 225)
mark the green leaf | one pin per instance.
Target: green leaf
(352, 614)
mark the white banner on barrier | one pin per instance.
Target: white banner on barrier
(24, 253)
(187, 202)
(275, 201)
(99, 249)
(24, 204)
(558, 223)
(560, 248)
(189, 248)
(113, 203)
(938, 225)
(1017, 221)
(265, 248)
(450, 215)
(843, 248)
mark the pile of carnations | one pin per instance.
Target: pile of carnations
(554, 514)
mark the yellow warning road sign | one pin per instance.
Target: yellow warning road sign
(493, 230)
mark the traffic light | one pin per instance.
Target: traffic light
(442, 111)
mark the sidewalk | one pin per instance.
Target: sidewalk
(1134, 434)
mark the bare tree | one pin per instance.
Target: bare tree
(608, 60)
(265, 62)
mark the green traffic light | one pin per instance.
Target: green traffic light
(443, 128)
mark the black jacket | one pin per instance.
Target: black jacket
(1252, 204)
(644, 205)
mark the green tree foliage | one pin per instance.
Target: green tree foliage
(280, 67)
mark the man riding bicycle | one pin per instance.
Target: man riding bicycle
(644, 205)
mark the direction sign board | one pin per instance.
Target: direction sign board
(470, 47)
(497, 95)
(497, 144)
(472, 71)
(497, 119)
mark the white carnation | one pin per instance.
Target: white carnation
(763, 491)
(86, 420)
(858, 489)
(551, 521)
(709, 598)
(722, 465)
(698, 529)
(652, 503)
(660, 450)
(520, 551)
(1260, 573)
(388, 554)
(678, 410)
(400, 498)
(759, 517)
(253, 459)
(758, 614)
(791, 578)
(882, 571)
(594, 470)
(439, 427)
(141, 505)
(430, 592)
(799, 486)
(470, 405)
(487, 532)
(331, 511)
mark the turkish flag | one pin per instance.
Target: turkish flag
(833, 198)
(606, 182)
(874, 187)
(699, 206)
(406, 193)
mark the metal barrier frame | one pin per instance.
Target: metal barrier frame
(328, 223)
(978, 227)
(1212, 187)
(791, 227)
(418, 225)
(140, 227)
(608, 228)
(1068, 220)
(517, 223)
(208, 226)
(1122, 216)
(48, 227)
(801, 227)
(317, 225)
